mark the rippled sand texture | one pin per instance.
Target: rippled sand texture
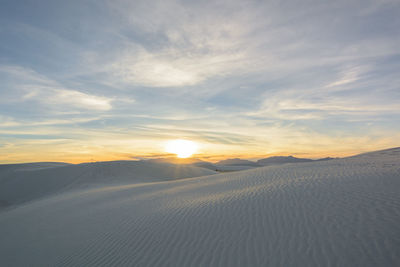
(343, 212)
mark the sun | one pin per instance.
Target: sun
(182, 148)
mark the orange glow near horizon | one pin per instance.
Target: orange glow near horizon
(111, 149)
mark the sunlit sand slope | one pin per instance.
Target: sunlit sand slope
(332, 213)
(21, 183)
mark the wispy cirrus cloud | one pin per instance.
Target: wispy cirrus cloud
(66, 98)
(349, 75)
(184, 45)
(24, 85)
(170, 69)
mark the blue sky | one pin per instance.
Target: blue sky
(99, 80)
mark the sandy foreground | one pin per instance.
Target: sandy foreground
(342, 212)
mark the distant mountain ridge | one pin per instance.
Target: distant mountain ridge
(281, 160)
(238, 162)
(275, 160)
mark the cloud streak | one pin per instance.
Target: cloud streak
(27, 85)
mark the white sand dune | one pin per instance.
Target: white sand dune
(343, 212)
(20, 183)
(8, 168)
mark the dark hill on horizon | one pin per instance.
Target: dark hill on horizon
(276, 160)
(235, 163)
(238, 162)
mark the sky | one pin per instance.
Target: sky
(107, 80)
